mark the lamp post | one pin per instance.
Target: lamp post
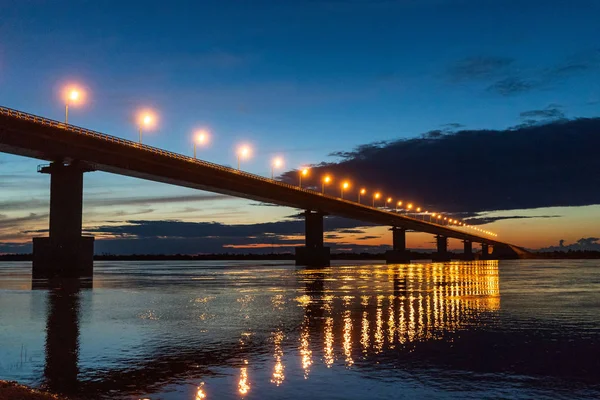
(243, 152)
(376, 196)
(200, 139)
(408, 208)
(388, 201)
(277, 162)
(326, 180)
(344, 186)
(73, 96)
(146, 120)
(398, 205)
(303, 173)
(361, 192)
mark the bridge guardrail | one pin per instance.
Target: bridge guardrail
(88, 132)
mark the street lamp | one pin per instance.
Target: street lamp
(277, 162)
(388, 200)
(201, 138)
(376, 196)
(398, 205)
(303, 173)
(243, 152)
(326, 180)
(344, 186)
(408, 208)
(146, 119)
(73, 96)
(361, 192)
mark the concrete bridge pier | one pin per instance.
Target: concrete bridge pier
(314, 253)
(398, 254)
(442, 254)
(468, 251)
(65, 253)
(485, 251)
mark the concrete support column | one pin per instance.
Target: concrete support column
(399, 238)
(442, 254)
(65, 253)
(398, 254)
(485, 251)
(468, 253)
(313, 229)
(314, 253)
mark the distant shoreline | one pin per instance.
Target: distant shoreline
(288, 256)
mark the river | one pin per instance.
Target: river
(249, 330)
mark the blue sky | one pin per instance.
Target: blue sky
(299, 79)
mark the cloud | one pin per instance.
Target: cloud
(551, 111)
(367, 237)
(23, 204)
(154, 200)
(354, 231)
(507, 78)
(478, 68)
(583, 244)
(170, 236)
(452, 126)
(202, 230)
(512, 85)
(481, 170)
(488, 220)
(12, 248)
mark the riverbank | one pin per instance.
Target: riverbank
(14, 391)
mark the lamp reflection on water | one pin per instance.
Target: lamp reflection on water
(305, 350)
(278, 369)
(348, 331)
(200, 394)
(243, 384)
(427, 301)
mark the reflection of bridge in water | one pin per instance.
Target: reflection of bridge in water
(348, 317)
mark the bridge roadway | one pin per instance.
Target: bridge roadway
(32, 136)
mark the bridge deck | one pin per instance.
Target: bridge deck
(37, 137)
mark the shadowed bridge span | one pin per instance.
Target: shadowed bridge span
(73, 151)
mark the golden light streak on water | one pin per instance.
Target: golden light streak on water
(347, 332)
(379, 326)
(391, 322)
(278, 370)
(243, 384)
(200, 394)
(364, 332)
(305, 351)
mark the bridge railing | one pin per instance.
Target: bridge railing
(88, 132)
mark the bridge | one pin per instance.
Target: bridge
(73, 151)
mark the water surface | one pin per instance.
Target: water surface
(244, 330)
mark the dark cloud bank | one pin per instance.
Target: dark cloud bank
(530, 166)
(171, 237)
